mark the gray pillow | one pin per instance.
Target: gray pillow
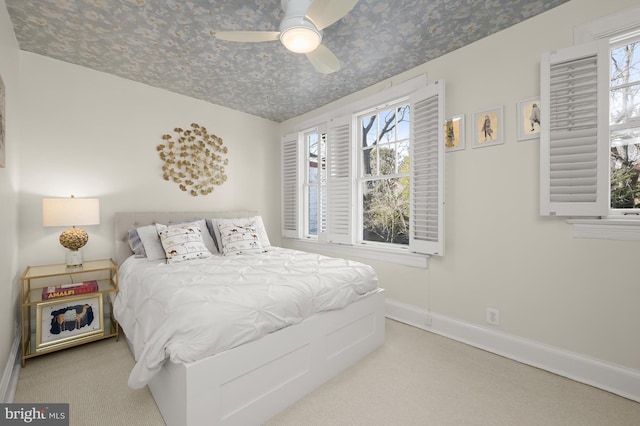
(136, 243)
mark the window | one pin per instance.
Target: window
(624, 126)
(315, 182)
(589, 152)
(372, 178)
(384, 166)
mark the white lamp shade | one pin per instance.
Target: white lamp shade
(70, 211)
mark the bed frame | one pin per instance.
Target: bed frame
(251, 383)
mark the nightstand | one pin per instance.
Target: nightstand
(55, 318)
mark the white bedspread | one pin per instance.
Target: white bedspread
(187, 311)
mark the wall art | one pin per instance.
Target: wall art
(195, 159)
(454, 133)
(487, 128)
(529, 119)
(64, 322)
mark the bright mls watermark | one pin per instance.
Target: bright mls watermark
(34, 414)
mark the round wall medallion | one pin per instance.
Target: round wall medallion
(195, 160)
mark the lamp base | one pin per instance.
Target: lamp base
(74, 259)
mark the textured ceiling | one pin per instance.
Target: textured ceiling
(170, 44)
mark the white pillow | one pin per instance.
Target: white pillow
(182, 242)
(255, 221)
(239, 239)
(151, 242)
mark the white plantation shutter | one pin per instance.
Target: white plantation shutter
(322, 228)
(339, 181)
(427, 170)
(574, 140)
(290, 185)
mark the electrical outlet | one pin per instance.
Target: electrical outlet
(493, 316)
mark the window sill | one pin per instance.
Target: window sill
(399, 256)
(606, 229)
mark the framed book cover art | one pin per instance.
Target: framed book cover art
(62, 322)
(488, 127)
(454, 133)
(529, 119)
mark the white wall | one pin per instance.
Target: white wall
(578, 295)
(92, 134)
(9, 58)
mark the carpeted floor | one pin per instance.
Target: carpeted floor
(92, 378)
(416, 378)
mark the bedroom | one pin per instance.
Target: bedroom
(71, 129)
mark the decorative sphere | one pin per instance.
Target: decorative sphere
(74, 238)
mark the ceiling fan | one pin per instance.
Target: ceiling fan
(301, 30)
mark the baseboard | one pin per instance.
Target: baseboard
(11, 372)
(612, 378)
(615, 379)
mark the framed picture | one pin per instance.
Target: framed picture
(454, 133)
(64, 321)
(487, 128)
(3, 126)
(529, 119)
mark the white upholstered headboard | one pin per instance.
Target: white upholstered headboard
(127, 220)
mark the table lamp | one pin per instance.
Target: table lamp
(71, 212)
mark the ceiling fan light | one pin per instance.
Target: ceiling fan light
(301, 39)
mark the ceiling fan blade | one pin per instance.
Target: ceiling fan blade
(325, 12)
(323, 60)
(247, 36)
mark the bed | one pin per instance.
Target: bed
(250, 382)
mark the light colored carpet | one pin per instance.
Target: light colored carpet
(92, 378)
(416, 378)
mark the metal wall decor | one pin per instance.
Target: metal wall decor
(194, 160)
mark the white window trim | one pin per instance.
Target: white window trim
(606, 229)
(401, 256)
(387, 93)
(608, 26)
(398, 255)
(610, 227)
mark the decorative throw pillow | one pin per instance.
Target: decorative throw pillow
(262, 232)
(254, 221)
(239, 239)
(182, 242)
(207, 238)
